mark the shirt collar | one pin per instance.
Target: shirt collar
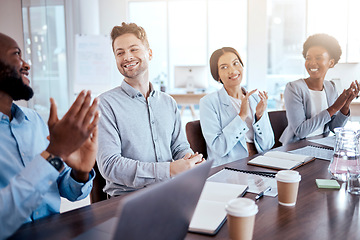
(133, 93)
(18, 113)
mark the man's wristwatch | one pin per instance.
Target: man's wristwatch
(56, 161)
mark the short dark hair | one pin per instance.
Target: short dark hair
(326, 41)
(138, 31)
(214, 60)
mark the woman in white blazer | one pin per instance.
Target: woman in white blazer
(312, 104)
(234, 122)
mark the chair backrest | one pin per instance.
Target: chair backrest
(278, 123)
(99, 182)
(196, 138)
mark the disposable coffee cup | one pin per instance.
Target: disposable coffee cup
(288, 185)
(241, 218)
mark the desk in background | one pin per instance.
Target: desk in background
(188, 99)
(318, 214)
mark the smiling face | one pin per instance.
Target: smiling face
(132, 56)
(13, 70)
(230, 70)
(317, 62)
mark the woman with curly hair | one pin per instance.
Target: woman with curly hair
(312, 104)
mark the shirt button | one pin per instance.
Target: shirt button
(244, 129)
(3, 117)
(37, 213)
(152, 122)
(50, 182)
(237, 137)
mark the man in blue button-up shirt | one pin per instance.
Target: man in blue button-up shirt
(32, 173)
(140, 136)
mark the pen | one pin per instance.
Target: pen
(262, 193)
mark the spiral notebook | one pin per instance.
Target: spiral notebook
(315, 151)
(257, 181)
(280, 160)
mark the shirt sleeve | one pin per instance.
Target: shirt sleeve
(70, 188)
(118, 169)
(24, 194)
(179, 143)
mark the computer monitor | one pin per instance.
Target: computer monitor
(191, 77)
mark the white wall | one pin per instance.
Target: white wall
(11, 20)
(257, 44)
(112, 13)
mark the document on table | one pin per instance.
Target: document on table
(327, 141)
(317, 152)
(255, 182)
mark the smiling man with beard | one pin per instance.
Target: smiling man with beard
(35, 171)
(140, 136)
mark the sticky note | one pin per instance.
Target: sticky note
(327, 183)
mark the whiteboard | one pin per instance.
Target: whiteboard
(94, 63)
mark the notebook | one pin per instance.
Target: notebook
(280, 160)
(159, 211)
(210, 212)
(256, 181)
(316, 151)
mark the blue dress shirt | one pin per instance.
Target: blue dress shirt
(138, 138)
(30, 187)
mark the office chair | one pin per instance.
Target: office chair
(97, 194)
(278, 123)
(196, 138)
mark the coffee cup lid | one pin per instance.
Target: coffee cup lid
(241, 207)
(288, 176)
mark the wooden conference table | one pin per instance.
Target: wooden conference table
(318, 214)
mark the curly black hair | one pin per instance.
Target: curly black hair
(326, 41)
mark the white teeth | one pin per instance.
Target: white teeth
(129, 65)
(314, 69)
(234, 77)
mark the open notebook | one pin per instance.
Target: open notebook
(210, 212)
(280, 160)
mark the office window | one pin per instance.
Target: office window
(286, 34)
(340, 18)
(186, 32)
(45, 51)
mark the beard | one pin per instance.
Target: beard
(11, 83)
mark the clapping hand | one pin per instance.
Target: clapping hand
(74, 137)
(261, 106)
(245, 107)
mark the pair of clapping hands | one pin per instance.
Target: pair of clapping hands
(74, 137)
(342, 103)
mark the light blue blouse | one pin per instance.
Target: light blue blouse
(224, 131)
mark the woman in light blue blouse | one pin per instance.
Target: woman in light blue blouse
(312, 104)
(234, 122)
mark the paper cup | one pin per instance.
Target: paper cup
(241, 218)
(288, 185)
